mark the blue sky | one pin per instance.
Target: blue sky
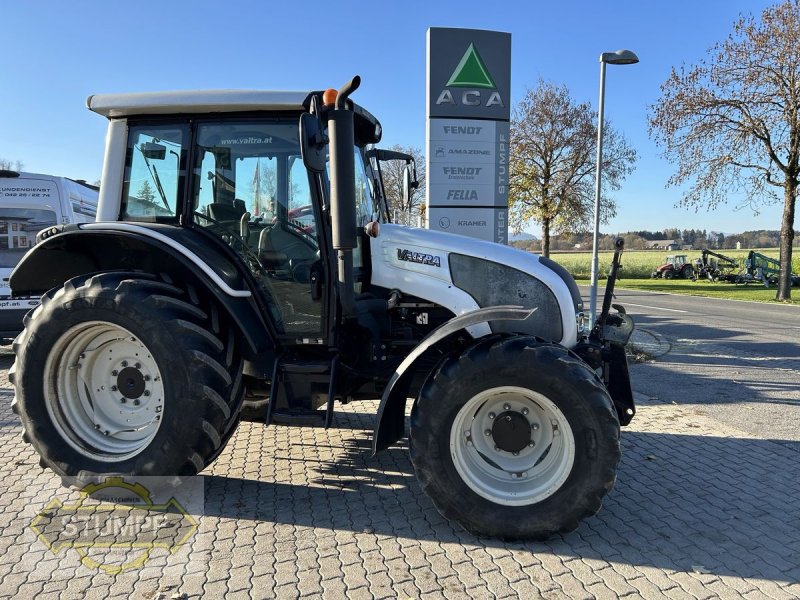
(55, 54)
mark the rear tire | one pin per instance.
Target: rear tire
(507, 396)
(126, 374)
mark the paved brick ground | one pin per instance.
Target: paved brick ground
(700, 510)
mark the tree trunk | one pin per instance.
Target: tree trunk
(546, 238)
(787, 237)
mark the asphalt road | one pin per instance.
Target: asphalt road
(737, 362)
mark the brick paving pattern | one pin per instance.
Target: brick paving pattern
(700, 510)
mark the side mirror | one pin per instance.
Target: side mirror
(312, 143)
(410, 183)
(153, 151)
(407, 186)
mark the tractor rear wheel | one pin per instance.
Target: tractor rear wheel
(126, 374)
(516, 439)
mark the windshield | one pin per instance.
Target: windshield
(376, 180)
(367, 190)
(366, 209)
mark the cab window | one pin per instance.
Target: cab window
(253, 191)
(154, 174)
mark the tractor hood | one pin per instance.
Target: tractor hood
(464, 274)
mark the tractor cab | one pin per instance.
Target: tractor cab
(676, 265)
(676, 260)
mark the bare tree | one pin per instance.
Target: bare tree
(392, 172)
(552, 165)
(732, 122)
(10, 165)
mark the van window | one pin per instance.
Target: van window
(18, 229)
(154, 173)
(82, 208)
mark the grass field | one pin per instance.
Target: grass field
(637, 265)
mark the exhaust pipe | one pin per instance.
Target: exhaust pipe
(343, 193)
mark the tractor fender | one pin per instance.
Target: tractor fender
(390, 419)
(179, 252)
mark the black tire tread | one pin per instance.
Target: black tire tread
(506, 350)
(211, 362)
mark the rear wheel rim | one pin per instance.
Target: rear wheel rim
(497, 462)
(104, 391)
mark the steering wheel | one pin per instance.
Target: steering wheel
(222, 229)
(230, 235)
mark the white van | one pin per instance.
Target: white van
(29, 202)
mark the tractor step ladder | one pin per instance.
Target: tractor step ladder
(301, 416)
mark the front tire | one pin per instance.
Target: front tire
(126, 374)
(516, 439)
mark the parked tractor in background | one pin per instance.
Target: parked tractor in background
(675, 266)
(715, 266)
(159, 321)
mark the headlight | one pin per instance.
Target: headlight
(580, 319)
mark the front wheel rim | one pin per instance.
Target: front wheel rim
(512, 446)
(104, 391)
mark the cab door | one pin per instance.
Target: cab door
(253, 191)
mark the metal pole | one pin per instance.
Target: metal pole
(597, 182)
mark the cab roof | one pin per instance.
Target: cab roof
(196, 101)
(188, 102)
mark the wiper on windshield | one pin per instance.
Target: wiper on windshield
(156, 179)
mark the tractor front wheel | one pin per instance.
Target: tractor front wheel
(515, 439)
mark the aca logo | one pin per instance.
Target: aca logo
(471, 72)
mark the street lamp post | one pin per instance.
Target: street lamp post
(620, 57)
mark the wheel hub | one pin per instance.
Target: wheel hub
(107, 397)
(512, 445)
(130, 383)
(511, 431)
